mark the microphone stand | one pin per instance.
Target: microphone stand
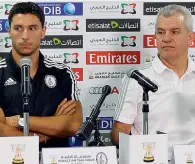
(26, 115)
(96, 141)
(91, 124)
(145, 110)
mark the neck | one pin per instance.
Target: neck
(34, 58)
(179, 65)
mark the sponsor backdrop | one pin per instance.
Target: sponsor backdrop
(99, 40)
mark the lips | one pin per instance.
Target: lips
(25, 45)
(168, 47)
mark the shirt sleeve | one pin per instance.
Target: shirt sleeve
(1, 87)
(127, 105)
(69, 85)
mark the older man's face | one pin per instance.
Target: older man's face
(173, 39)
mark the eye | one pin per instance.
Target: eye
(17, 28)
(160, 32)
(175, 32)
(33, 28)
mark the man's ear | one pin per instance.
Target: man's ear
(9, 30)
(43, 32)
(191, 37)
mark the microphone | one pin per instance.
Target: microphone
(87, 127)
(25, 64)
(142, 80)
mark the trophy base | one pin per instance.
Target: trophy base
(190, 161)
(18, 162)
(148, 159)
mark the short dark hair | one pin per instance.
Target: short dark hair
(27, 8)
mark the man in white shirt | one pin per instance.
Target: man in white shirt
(172, 107)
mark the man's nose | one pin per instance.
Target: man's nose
(25, 34)
(167, 37)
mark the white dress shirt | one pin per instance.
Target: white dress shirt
(171, 108)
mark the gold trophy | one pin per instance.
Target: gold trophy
(148, 59)
(189, 159)
(18, 149)
(91, 75)
(148, 147)
(53, 159)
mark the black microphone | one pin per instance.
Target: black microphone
(87, 127)
(142, 80)
(25, 64)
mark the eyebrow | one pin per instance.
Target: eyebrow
(32, 25)
(177, 28)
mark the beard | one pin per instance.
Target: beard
(22, 54)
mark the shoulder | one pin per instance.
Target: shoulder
(3, 61)
(58, 68)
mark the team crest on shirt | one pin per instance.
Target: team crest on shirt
(50, 81)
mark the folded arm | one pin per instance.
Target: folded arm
(63, 125)
(9, 131)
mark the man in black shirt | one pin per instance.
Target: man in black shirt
(55, 112)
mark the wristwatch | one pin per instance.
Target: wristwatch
(21, 123)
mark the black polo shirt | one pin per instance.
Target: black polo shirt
(52, 83)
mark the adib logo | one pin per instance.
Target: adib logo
(4, 25)
(68, 9)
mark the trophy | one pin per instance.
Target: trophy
(148, 147)
(189, 159)
(53, 159)
(18, 149)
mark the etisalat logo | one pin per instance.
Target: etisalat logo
(71, 25)
(128, 41)
(128, 8)
(71, 58)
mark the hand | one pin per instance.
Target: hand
(12, 121)
(66, 107)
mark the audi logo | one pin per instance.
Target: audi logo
(98, 90)
(95, 90)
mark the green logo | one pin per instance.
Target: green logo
(114, 24)
(56, 41)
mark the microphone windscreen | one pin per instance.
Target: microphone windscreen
(106, 90)
(25, 61)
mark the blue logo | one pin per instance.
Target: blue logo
(4, 25)
(69, 9)
(56, 9)
(104, 123)
(74, 141)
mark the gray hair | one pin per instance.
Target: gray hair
(172, 9)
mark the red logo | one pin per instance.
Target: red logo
(150, 42)
(113, 57)
(78, 73)
(193, 43)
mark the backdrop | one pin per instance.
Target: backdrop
(99, 40)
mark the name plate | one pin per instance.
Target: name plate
(80, 155)
(142, 149)
(19, 150)
(184, 154)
